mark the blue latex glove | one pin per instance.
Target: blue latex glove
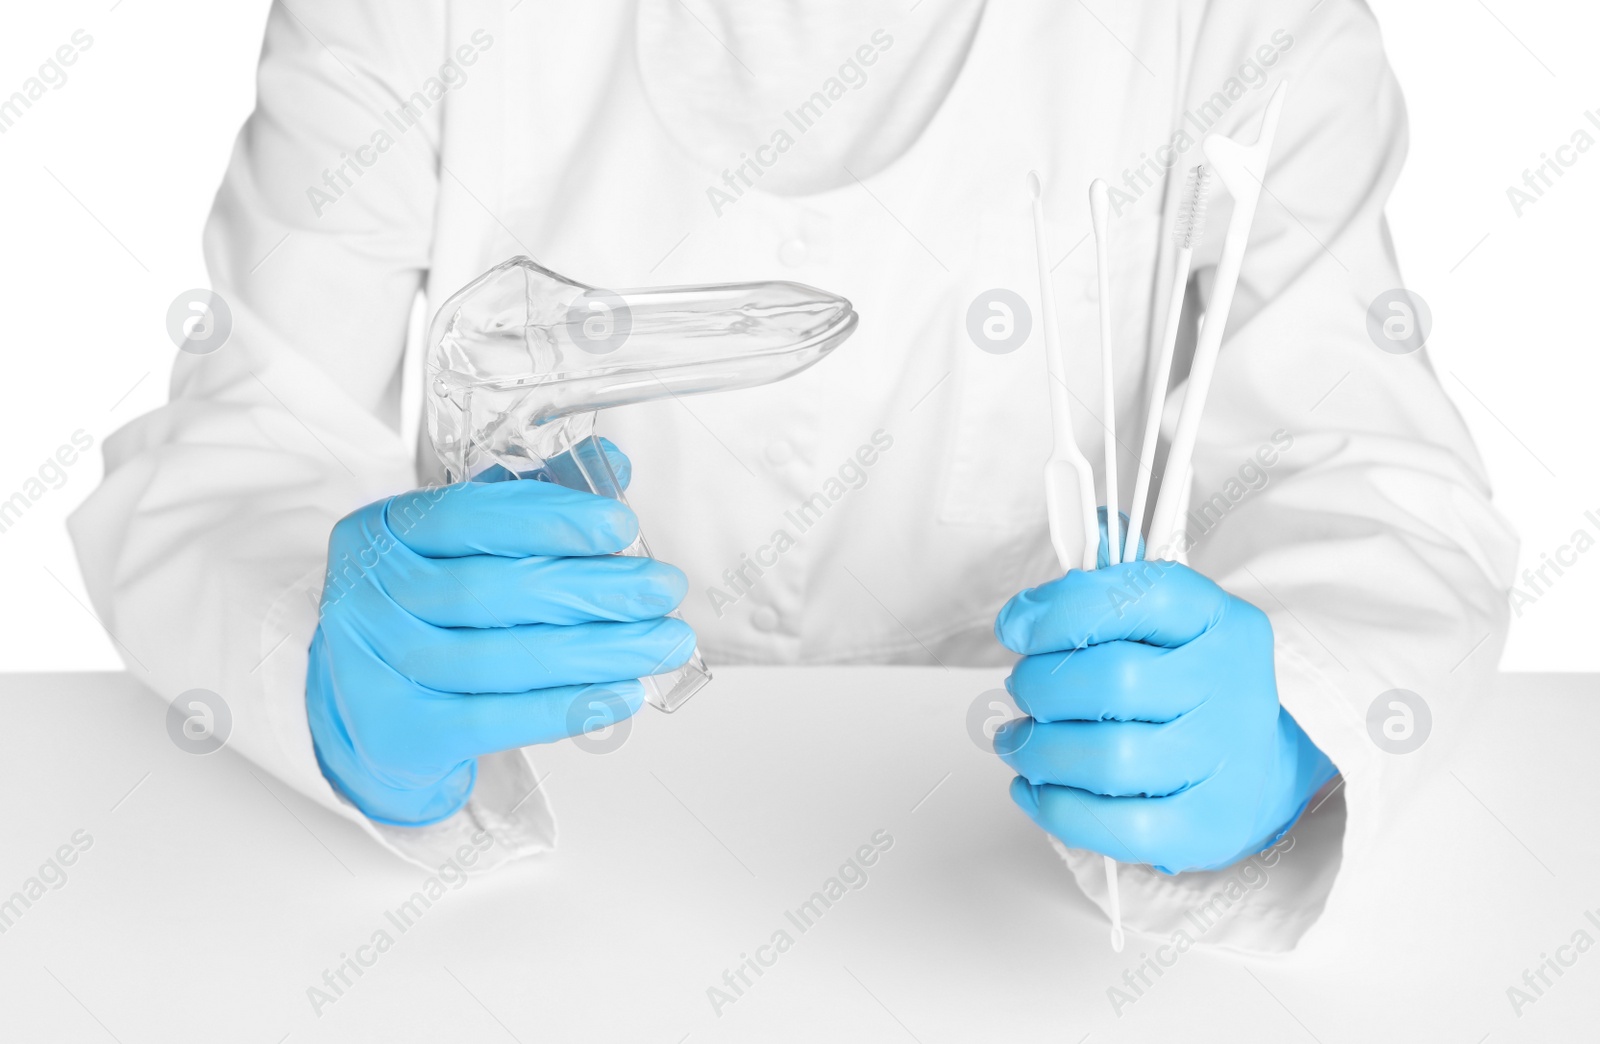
(476, 618)
(1154, 733)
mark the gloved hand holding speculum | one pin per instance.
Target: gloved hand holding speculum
(520, 604)
(475, 618)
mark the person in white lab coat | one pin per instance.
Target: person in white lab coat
(403, 148)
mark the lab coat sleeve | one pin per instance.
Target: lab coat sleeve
(1334, 485)
(205, 547)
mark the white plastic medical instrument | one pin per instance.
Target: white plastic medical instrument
(1242, 170)
(1100, 216)
(1187, 231)
(1068, 478)
(521, 359)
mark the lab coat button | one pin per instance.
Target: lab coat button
(793, 252)
(764, 618)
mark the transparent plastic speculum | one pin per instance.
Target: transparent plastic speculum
(521, 359)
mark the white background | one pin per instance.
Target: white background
(106, 181)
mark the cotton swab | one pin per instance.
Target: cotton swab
(1068, 477)
(1100, 214)
(1187, 231)
(1242, 169)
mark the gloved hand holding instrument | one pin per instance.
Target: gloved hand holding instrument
(520, 604)
(475, 618)
(1154, 732)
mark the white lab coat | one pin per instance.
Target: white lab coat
(1372, 544)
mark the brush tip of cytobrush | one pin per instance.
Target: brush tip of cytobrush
(1192, 213)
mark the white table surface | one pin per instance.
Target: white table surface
(212, 897)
